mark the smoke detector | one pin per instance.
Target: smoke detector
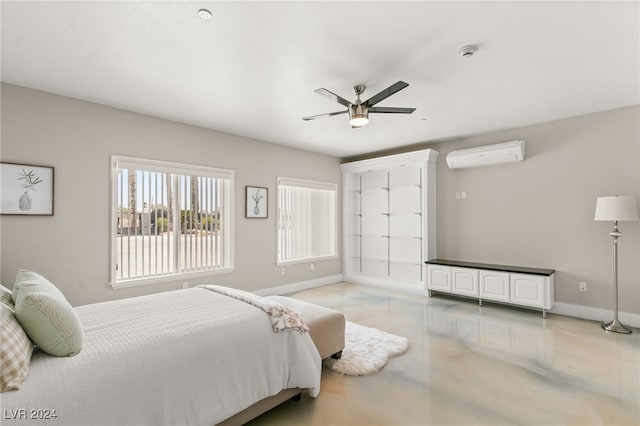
(468, 50)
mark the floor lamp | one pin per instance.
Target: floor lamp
(616, 209)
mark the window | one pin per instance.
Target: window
(306, 220)
(169, 220)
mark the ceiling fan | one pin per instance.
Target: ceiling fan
(359, 110)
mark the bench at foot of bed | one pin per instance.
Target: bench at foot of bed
(326, 326)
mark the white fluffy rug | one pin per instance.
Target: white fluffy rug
(366, 350)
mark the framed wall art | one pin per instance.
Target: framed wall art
(26, 189)
(256, 202)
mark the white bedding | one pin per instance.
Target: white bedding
(188, 357)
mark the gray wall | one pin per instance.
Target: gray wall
(539, 212)
(535, 213)
(71, 248)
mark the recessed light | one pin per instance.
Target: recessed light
(204, 14)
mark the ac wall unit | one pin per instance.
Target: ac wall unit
(487, 155)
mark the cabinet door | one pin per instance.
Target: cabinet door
(494, 285)
(464, 281)
(527, 289)
(439, 278)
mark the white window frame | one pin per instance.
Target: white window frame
(308, 184)
(228, 202)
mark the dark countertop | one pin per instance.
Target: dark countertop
(491, 267)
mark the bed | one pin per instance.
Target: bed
(190, 356)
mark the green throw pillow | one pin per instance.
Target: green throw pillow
(46, 316)
(26, 279)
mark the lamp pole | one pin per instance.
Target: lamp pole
(615, 324)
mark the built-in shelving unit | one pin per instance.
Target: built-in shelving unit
(389, 218)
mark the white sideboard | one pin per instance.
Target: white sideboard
(517, 285)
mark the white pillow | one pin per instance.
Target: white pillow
(15, 351)
(46, 316)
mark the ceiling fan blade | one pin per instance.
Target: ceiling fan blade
(379, 97)
(329, 114)
(333, 96)
(391, 110)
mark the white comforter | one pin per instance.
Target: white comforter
(187, 357)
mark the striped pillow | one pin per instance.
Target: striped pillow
(15, 351)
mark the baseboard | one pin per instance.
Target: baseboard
(301, 285)
(595, 314)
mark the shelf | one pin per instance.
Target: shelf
(387, 214)
(383, 188)
(397, 262)
(406, 237)
(407, 185)
(405, 262)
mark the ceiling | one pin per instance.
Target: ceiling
(251, 69)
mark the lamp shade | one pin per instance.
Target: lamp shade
(621, 208)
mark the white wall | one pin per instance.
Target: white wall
(539, 212)
(71, 248)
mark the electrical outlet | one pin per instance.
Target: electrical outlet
(582, 286)
(283, 271)
(313, 266)
(185, 284)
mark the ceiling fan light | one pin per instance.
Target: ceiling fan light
(358, 121)
(358, 115)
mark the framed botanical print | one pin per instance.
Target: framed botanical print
(256, 202)
(26, 189)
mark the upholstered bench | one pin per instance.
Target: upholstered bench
(326, 326)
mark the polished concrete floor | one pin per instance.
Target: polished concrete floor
(466, 365)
